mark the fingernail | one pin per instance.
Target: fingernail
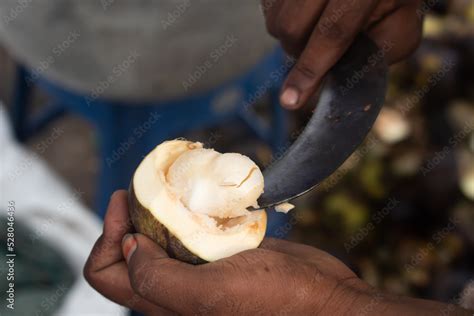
(290, 97)
(129, 245)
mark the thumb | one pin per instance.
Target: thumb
(148, 247)
(157, 277)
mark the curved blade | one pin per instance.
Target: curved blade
(349, 104)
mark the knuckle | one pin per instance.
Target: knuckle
(334, 31)
(95, 279)
(140, 278)
(290, 32)
(307, 70)
(88, 273)
(315, 276)
(405, 49)
(232, 266)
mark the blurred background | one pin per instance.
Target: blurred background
(90, 99)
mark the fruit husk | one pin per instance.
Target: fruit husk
(145, 223)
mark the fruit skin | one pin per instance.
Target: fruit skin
(145, 223)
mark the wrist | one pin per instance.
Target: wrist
(375, 302)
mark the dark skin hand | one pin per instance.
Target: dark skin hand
(280, 277)
(318, 32)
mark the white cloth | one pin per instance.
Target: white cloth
(150, 49)
(53, 213)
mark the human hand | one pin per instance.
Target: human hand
(106, 269)
(278, 278)
(319, 32)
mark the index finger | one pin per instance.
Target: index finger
(107, 249)
(105, 268)
(335, 31)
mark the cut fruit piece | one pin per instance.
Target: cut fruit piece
(193, 201)
(284, 207)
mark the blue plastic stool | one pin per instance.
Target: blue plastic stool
(127, 131)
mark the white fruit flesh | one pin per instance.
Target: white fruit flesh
(201, 197)
(219, 185)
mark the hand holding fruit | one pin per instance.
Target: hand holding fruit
(279, 277)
